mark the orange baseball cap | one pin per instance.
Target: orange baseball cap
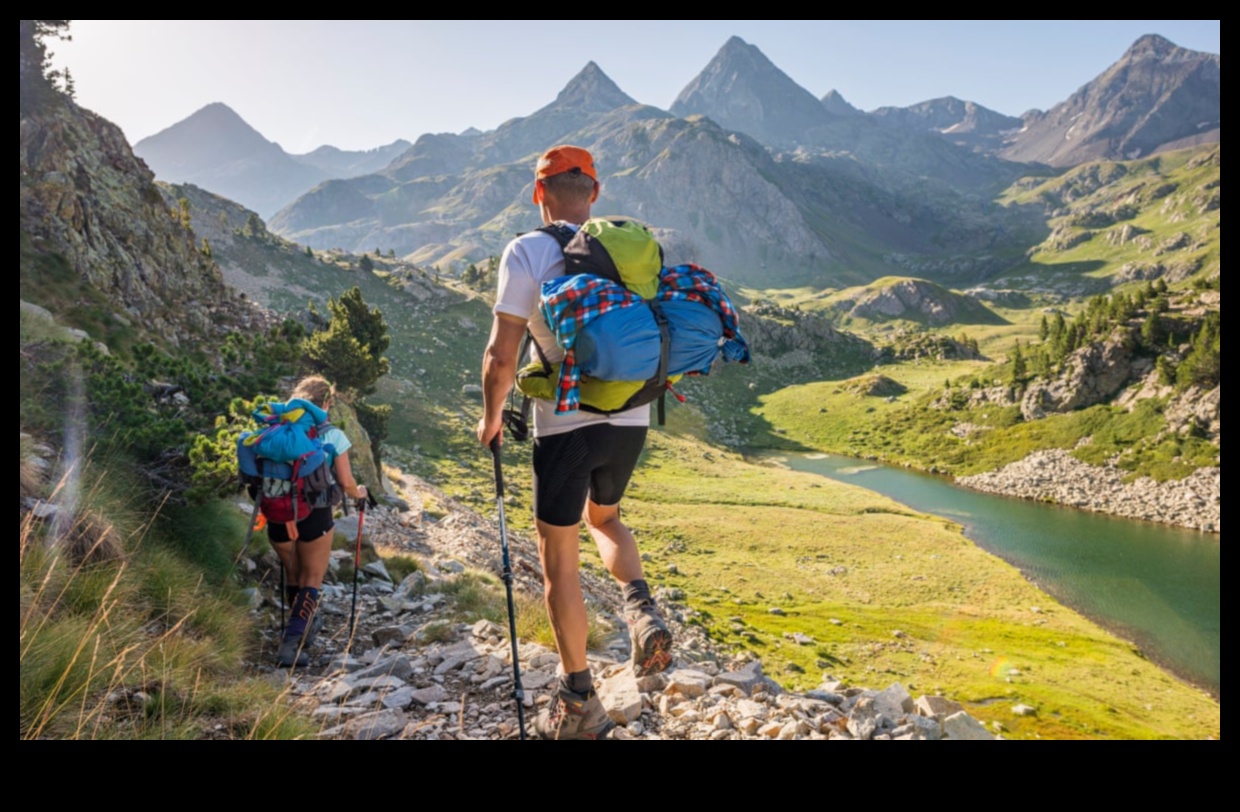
(564, 158)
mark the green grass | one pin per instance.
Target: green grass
(851, 569)
(1159, 197)
(147, 641)
(830, 416)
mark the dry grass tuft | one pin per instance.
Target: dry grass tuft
(92, 540)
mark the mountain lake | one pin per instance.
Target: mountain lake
(1155, 585)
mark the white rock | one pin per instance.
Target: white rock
(688, 683)
(963, 727)
(621, 697)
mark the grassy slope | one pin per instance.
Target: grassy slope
(1161, 197)
(744, 538)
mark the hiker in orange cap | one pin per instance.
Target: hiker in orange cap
(582, 461)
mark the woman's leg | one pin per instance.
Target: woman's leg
(313, 557)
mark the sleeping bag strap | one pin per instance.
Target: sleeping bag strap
(665, 354)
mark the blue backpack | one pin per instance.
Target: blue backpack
(285, 463)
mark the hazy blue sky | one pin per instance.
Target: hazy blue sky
(359, 84)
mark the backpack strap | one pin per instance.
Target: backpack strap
(518, 420)
(561, 232)
(656, 386)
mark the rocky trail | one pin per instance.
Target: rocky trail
(414, 671)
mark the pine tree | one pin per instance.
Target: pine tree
(349, 352)
(254, 227)
(366, 263)
(1019, 369)
(1152, 330)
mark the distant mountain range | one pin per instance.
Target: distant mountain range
(217, 150)
(748, 172)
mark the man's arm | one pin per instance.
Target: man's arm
(499, 371)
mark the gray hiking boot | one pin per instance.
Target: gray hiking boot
(649, 638)
(292, 653)
(313, 628)
(573, 716)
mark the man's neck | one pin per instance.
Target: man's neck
(575, 216)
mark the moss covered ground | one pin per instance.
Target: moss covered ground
(887, 594)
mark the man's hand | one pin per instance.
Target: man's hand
(488, 429)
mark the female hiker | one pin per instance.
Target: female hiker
(305, 558)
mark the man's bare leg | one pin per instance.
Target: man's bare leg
(615, 543)
(566, 608)
(649, 636)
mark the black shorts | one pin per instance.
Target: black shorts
(308, 529)
(595, 461)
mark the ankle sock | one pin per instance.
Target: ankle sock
(304, 605)
(579, 682)
(637, 592)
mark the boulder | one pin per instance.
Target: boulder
(963, 727)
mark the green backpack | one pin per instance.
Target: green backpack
(625, 252)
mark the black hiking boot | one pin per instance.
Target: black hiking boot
(649, 638)
(571, 716)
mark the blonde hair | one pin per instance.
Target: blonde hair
(314, 388)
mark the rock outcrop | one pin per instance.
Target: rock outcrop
(1093, 374)
(913, 300)
(83, 196)
(1056, 476)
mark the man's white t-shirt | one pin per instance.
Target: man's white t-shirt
(527, 262)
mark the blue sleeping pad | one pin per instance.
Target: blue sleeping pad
(623, 345)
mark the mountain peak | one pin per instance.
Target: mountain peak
(1157, 96)
(737, 52)
(741, 89)
(220, 118)
(836, 104)
(1151, 45)
(592, 90)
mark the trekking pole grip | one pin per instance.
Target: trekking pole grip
(499, 470)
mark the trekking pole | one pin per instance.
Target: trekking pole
(249, 532)
(357, 564)
(518, 693)
(257, 521)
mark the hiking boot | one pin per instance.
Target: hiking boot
(649, 637)
(292, 653)
(313, 628)
(573, 716)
